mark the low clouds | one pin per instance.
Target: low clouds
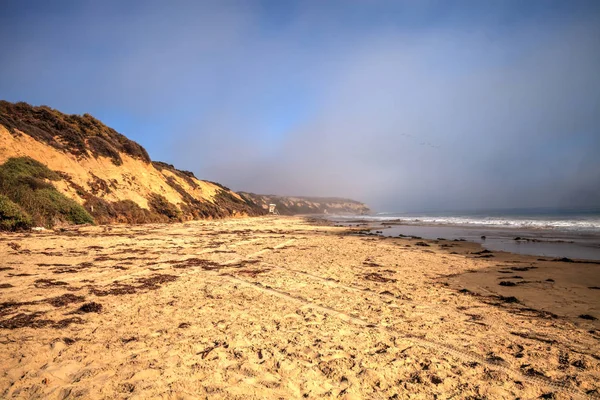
(419, 111)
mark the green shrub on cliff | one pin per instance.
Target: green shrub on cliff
(26, 182)
(12, 217)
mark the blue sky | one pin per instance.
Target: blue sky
(406, 105)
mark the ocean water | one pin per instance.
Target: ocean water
(550, 233)
(568, 221)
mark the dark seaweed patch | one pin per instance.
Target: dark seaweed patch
(47, 283)
(153, 282)
(117, 289)
(375, 277)
(89, 308)
(34, 321)
(527, 268)
(253, 272)
(65, 300)
(150, 283)
(371, 264)
(53, 265)
(197, 262)
(63, 323)
(485, 251)
(25, 321)
(9, 306)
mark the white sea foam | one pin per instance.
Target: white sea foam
(581, 224)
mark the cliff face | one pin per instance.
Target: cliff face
(99, 169)
(292, 205)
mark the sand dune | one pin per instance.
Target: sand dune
(282, 308)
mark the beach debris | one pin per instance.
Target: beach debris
(32, 320)
(47, 283)
(253, 273)
(588, 317)
(579, 364)
(423, 244)
(494, 359)
(369, 263)
(23, 320)
(204, 353)
(153, 282)
(207, 265)
(375, 277)
(13, 245)
(508, 299)
(68, 341)
(526, 268)
(563, 259)
(484, 251)
(89, 308)
(117, 289)
(65, 300)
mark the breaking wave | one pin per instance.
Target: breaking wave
(581, 224)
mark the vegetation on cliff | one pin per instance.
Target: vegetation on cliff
(28, 197)
(82, 135)
(61, 168)
(224, 204)
(94, 175)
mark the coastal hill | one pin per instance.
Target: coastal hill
(296, 205)
(57, 168)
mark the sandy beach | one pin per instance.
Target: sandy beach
(285, 307)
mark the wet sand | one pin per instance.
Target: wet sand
(288, 308)
(545, 243)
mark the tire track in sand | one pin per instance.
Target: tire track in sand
(414, 339)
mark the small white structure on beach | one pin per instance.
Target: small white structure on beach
(273, 209)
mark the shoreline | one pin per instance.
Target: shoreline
(542, 243)
(288, 307)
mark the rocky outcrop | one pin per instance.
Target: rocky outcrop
(294, 205)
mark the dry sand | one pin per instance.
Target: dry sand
(281, 308)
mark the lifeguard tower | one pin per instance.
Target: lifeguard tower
(273, 209)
